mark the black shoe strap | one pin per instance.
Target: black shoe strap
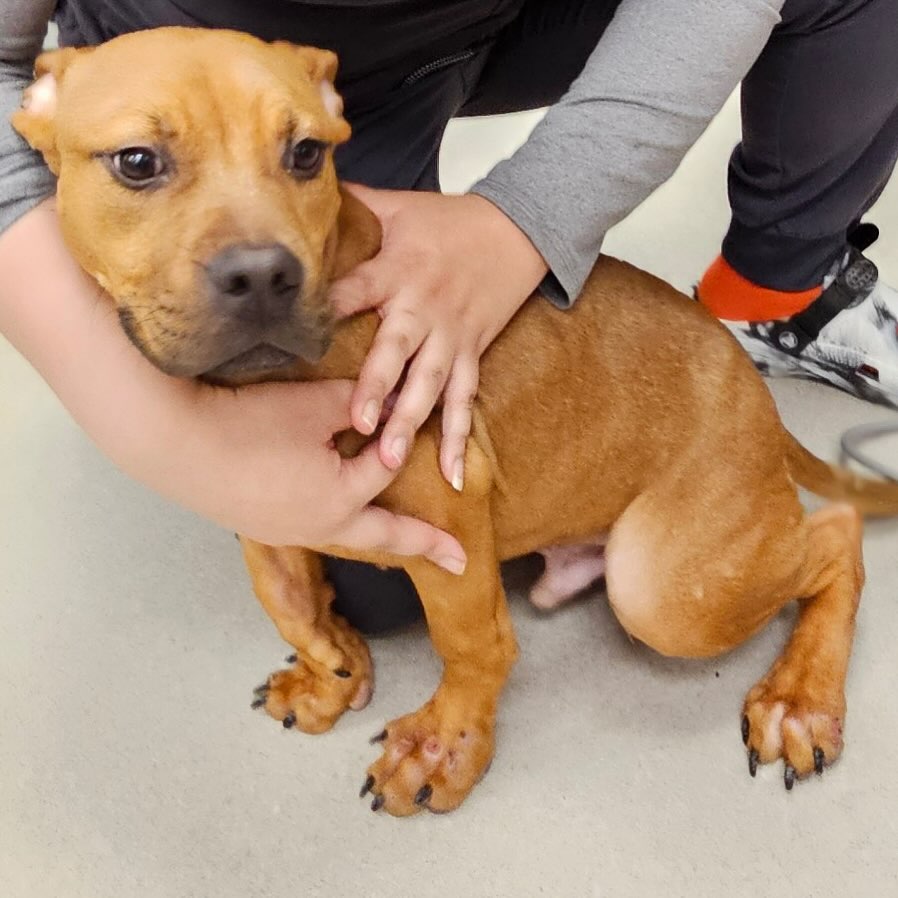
(852, 285)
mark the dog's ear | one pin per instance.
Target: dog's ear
(320, 64)
(358, 235)
(35, 120)
(321, 67)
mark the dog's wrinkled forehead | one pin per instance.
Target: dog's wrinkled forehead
(167, 82)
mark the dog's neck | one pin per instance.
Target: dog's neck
(356, 239)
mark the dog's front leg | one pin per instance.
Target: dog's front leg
(433, 757)
(332, 669)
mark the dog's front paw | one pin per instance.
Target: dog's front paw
(431, 759)
(312, 694)
(791, 718)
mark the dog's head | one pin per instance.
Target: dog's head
(197, 186)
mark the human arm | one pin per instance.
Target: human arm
(660, 73)
(257, 460)
(24, 179)
(452, 273)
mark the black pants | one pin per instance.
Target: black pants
(819, 123)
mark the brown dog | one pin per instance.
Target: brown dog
(201, 195)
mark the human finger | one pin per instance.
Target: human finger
(458, 405)
(424, 383)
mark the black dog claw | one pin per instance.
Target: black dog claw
(819, 759)
(424, 794)
(745, 730)
(291, 659)
(378, 738)
(257, 703)
(367, 787)
(288, 721)
(753, 762)
(789, 777)
(262, 690)
(378, 802)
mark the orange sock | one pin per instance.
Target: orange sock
(728, 295)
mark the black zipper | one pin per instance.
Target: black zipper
(443, 62)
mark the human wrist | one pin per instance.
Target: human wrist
(513, 245)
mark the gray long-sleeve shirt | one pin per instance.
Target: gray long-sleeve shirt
(659, 74)
(24, 179)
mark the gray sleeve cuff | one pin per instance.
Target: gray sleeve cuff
(568, 271)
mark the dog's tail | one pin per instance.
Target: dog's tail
(874, 498)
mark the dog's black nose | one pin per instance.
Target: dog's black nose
(255, 283)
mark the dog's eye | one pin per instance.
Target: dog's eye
(306, 158)
(137, 166)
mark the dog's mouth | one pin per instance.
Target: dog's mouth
(222, 351)
(262, 359)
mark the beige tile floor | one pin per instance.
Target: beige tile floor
(131, 765)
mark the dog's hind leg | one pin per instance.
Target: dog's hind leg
(699, 592)
(797, 711)
(332, 670)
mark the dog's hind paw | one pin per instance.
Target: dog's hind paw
(796, 728)
(431, 759)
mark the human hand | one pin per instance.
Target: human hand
(262, 462)
(451, 272)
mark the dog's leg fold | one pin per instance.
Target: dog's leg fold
(705, 596)
(797, 711)
(332, 668)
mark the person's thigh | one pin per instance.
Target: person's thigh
(396, 138)
(535, 58)
(527, 64)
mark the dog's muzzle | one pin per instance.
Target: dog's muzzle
(257, 285)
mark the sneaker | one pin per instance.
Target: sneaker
(847, 337)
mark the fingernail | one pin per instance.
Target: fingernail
(371, 413)
(453, 565)
(399, 448)
(458, 475)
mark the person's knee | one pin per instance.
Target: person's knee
(373, 600)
